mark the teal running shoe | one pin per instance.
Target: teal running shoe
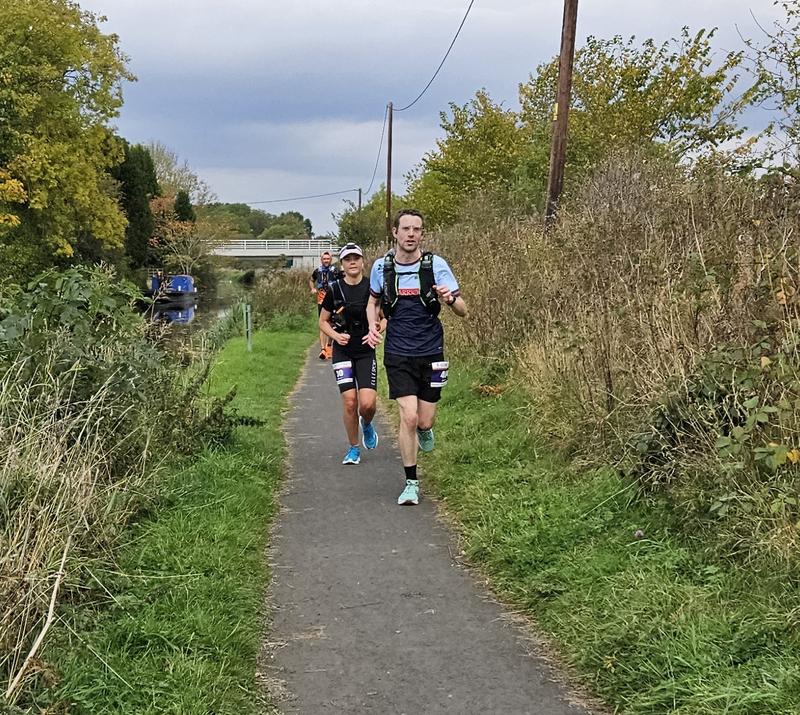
(369, 437)
(410, 495)
(353, 456)
(425, 439)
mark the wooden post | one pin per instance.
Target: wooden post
(558, 150)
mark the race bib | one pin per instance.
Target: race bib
(343, 371)
(439, 373)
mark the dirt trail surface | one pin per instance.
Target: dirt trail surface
(371, 612)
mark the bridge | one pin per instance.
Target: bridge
(300, 253)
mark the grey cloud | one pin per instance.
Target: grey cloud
(290, 95)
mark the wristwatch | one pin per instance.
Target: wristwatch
(451, 301)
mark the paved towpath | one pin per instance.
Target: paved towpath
(371, 613)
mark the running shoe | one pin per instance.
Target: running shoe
(369, 437)
(425, 439)
(410, 495)
(353, 456)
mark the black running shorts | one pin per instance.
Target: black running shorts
(423, 376)
(360, 372)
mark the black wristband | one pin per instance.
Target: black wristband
(450, 302)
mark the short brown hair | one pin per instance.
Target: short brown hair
(407, 212)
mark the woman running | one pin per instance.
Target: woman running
(343, 318)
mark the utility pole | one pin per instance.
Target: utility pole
(389, 180)
(558, 150)
(359, 201)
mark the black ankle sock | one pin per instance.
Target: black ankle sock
(411, 472)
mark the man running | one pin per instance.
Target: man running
(324, 274)
(410, 285)
(343, 318)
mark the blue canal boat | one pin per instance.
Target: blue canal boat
(172, 289)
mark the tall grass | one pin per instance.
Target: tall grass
(62, 495)
(175, 624)
(281, 300)
(655, 327)
(653, 621)
(89, 406)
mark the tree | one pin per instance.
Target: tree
(246, 220)
(367, 228)
(292, 216)
(138, 185)
(776, 65)
(257, 221)
(182, 245)
(59, 87)
(11, 192)
(175, 176)
(288, 229)
(480, 153)
(183, 207)
(668, 98)
(239, 216)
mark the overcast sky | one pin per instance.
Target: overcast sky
(267, 99)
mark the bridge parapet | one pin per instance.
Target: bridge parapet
(273, 248)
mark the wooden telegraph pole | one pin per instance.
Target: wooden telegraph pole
(558, 150)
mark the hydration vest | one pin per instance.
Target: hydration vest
(325, 276)
(339, 318)
(391, 279)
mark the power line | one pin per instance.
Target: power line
(335, 193)
(380, 146)
(441, 64)
(383, 129)
(301, 198)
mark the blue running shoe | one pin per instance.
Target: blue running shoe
(369, 437)
(353, 456)
(425, 439)
(410, 495)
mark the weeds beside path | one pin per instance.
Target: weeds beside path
(655, 621)
(182, 631)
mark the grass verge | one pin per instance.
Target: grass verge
(654, 620)
(182, 630)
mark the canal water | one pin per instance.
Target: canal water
(191, 316)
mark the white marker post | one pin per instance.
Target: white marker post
(248, 325)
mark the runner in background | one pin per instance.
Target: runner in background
(323, 274)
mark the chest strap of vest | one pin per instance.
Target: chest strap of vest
(338, 315)
(391, 283)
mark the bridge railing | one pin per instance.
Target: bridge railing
(276, 246)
